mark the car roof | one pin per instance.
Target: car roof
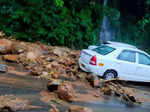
(119, 44)
(123, 46)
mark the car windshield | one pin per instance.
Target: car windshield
(104, 50)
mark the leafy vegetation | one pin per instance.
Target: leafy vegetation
(135, 31)
(73, 23)
(55, 22)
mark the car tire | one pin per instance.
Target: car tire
(109, 75)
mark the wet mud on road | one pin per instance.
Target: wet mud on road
(34, 89)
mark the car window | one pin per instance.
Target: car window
(127, 55)
(144, 59)
(104, 50)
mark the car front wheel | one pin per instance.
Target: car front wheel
(109, 75)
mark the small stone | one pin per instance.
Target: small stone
(54, 74)
(12, 58)
(106, 90)
(79, 109)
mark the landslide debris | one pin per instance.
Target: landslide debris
(42, 60)
(12, 103)
(54, 63)
(113, 88)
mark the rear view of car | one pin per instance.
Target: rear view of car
(91, 60)
(116, 60)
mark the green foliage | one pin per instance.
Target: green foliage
(59, 3)
(71, 23)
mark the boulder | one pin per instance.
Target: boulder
(66, 92)
(12, 58)
(79, 109)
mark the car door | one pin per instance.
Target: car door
(126, 62)
(143, 68)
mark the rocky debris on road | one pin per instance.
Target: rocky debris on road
(53, 108)
(114, 88)
(40, 59)
(63, 89)
(12, 103)
(66, 92)
(53, 62)
(79, 109)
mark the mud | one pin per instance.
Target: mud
(23, 87)
(28, 78)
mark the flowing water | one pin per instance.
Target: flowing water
(106, 32)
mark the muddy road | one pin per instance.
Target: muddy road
(29, 87)
(31, 65)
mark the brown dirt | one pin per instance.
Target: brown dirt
(89, 95)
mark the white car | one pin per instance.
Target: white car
(116, 59)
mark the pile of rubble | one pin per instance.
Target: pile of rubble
(113, 88)
(51, 63)
(42, 60)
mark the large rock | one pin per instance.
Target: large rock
(12, 58)
(66, 92)
(6, 46)
(79, 109)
